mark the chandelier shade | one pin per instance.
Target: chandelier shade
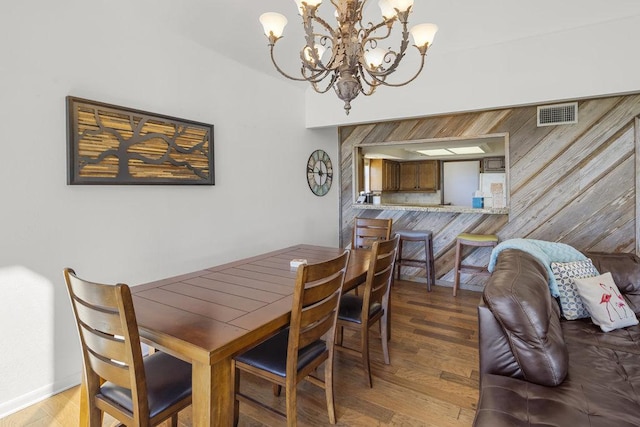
(347, 56)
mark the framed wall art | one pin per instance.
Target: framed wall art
(108, 144)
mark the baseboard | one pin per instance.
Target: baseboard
(35, 396)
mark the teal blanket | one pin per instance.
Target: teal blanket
(545, 252)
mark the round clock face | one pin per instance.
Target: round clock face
(319, 172)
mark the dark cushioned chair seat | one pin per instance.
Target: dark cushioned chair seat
(168, 381)
(351, 308)
(271, 355)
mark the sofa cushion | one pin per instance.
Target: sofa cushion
(565, 273)
(602, 387)
(518, 295)
(606, 305)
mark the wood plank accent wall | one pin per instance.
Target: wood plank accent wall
(575, 184)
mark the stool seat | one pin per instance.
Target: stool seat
(415, 234)
(427, 263)
(471, 239)
(479, 238)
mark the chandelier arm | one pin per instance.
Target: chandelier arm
(403, 47)
(326, 89)
(331, 64)
(275, 64)
(315, 78)
(389, 23)
(372, 85)
(325, 24)
(382, 80)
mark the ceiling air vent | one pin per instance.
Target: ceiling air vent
(558, 114)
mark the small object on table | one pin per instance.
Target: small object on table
(295, 263)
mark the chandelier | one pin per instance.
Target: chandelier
(348, 57)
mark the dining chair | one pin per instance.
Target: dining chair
(361, 312)
(294, 353)
(136, 390)
(368, 230)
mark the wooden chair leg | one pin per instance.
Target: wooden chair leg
(291, 398)
(384, 336)
(174, 420)
(339, 335)
(277, 389)
(236, 388)
(364, 333)
(456, 280)
(398, 259)
(328, 389)
(432, 266)
(387, 319)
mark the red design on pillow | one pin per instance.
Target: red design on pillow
(606, 299)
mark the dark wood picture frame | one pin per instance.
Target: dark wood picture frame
(109, 144)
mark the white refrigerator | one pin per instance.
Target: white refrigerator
(460, 179)
(494, 189)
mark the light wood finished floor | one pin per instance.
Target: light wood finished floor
(432, 379)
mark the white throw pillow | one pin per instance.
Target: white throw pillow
(565, 273)
(606, 305)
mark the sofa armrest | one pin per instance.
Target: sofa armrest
(496, 356)
(518, 296)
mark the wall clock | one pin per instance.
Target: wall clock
(319, 172)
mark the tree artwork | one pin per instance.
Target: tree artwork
(114, 145)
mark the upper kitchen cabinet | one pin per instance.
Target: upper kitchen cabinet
(420, 176)
(384, 175)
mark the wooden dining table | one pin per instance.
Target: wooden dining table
(209, 316)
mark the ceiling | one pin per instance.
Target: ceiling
(231, 27)
(492, 145)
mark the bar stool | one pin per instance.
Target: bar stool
(469, 239)
(425, 236)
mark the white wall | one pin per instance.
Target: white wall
(592, 55)
(124, 53)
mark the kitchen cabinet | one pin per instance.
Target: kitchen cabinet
(384, 175)
(420, 176)
(493, 164)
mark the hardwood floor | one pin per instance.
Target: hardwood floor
(432, 379)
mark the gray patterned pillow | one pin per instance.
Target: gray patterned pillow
(570, 301)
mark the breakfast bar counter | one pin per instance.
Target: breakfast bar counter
(432, 208)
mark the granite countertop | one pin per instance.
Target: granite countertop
(432, 208)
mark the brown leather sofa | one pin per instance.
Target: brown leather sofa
(537, 369)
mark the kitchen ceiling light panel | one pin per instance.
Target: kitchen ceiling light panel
(436, 152)
(467, 150)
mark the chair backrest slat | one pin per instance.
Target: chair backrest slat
(94, 294)
(320, 289)
(317, 312)
(107, 346)
(107, 322)
(106, 368)
(319, 329)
